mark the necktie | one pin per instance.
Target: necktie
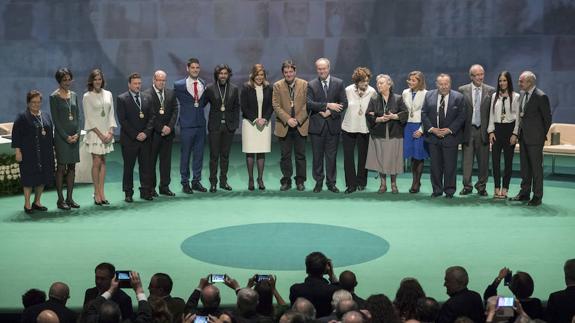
(503, 108)
(196, 90)
(325, 87)
(476, 106)
(137, 96)
(441, 116)
(525, 99)
(161, 95)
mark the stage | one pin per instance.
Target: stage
(381, 237)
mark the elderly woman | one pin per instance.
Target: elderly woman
(65, 114)
(33, 140)
(355, 130)
(99, 123)
(256, 105)
(413, 142)
(386, 116)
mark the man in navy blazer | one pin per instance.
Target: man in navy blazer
(443, 116)
(190, 93)
(326, 100)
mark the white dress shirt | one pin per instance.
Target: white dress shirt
(190, 87)
(353, 121)
(511, 111)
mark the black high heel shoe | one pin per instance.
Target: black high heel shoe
(28, 211)
(105, 202)
(39, 208)
(261, 185)
(251, 184)
(98, 203)
(62, 205)
(73, 204)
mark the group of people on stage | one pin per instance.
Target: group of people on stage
(386, 127)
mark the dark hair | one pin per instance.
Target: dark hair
(522, 285)
(108, 267)
(220, 68)
(509, 88)
(347, 280)
(293, 316)
(288, 64)
(360, 74)
(160, 311)
(315, 263)
(193, 60)
(427, 309)
(381, 309)
(569, 270)
(406, 297)
(60, 73)
(133, 76)
(164, 282)
(266, 303)
(95, 72)
(32, 297)
(256, 69)
(32, 94)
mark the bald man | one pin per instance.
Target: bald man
(58, 296)
(462, 301)
(165, 110)
(47, 316)
(209, 295)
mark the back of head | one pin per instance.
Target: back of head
(292, 316)
(569, 270)
(59, 291)
(353, 317)
(347, 280)
(47, 316)
(162, 284)
(463, 319)
(109, 313)
(344, 306)
(408, 293)
(457, 275)
(32, 297)
(266, 302)
(381, 309)
(522, 285)
(247, 301)
(160, 311)
(338, 296)
(315, 264)
(427, 309)
(211, 297)
(304, 307)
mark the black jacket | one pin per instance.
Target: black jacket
(170, 116)
(232, 105)
(316, 290)
(463, 303)
(317, 102)
(65, 314)
(249, 103)
(396, 106)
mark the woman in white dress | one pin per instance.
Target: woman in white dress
(256, 104)
(99, 124)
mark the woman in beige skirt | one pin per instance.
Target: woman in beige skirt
(386, 116)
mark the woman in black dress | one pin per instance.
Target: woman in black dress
(34, 143)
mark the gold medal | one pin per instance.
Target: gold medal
(161, 110)
(141, 115)
(291, 103)
(70, 117)
(43, 132)
(360, 112)
(103, 114)
(502, 117)
(411, 114)
(223, 108)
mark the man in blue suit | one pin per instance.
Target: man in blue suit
(443, 116)
(190, 93)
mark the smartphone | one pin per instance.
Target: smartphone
(216, 278)
(507, 279)
(201, 319)
(123, 278)
(260, 278)
(505, 306)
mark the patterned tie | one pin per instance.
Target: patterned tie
(137, 96)
(476, 105)
(325, 87)
(196, 90)
(441, 116)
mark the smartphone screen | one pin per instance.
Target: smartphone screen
(123, 275)
(218, 278)
(505, 302)
(262, 277)
(201, 319)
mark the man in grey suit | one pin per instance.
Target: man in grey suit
(326, 100)
(475, 140)
(534, 123)
(442, 116)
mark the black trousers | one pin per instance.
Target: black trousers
(220, 146)
(324, 148)
(162, 149)
(443, 168)
(475, 149)
(296, 142)
(133, 151)
(353, 177)
(503, 132)
(531, 157)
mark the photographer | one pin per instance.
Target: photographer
(265, 287)
(209, 294)
(496, 313)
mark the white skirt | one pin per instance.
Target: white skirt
(256, 139)
(94, 145)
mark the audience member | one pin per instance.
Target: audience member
(353, 317)
(381, 309)
(246, 306)
(48, 316)
(161, 286)
(561, 304)
(160, 311)
(293, 316)
(32, 297)
(57, 297)
(406, 297)
(336, 298)
(427, 310)
(348, 281)
(210, 297)
(105, 273)
(305, 307)
(462, 301)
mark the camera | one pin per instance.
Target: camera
(507, 279)
(123, 278)
(201, 319)
(505, 306)
(216, 278)
(260, 278)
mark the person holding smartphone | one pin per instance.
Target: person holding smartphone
(209, 294)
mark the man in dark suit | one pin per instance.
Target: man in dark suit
(165, 110)
(209, 294)
(161, 286)
(105, 273)
(326, 100)
(57, 297)
(136, 120)
(462, 301)
(315, 288)
(534, 122)
(348, 281)
(475, 140)
(561, 304)
(223, 121)
(190, 92)
(442, 116)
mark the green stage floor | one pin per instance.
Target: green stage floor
(383, 238)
